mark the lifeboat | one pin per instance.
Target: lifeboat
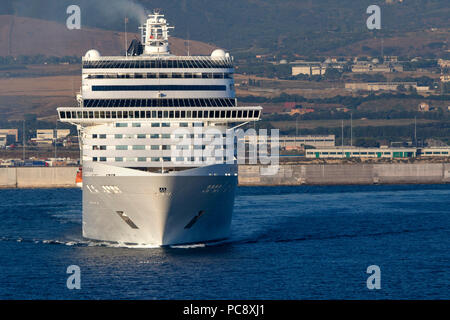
(79, 178)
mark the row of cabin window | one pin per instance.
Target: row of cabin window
(153, 125)
(155, 64)
(353, 153)
(160, 136)
(340, 153)
(174, 75)
(205, 102)
(373, 153)
(158, 159)
(158, 147)
(163, 124)
(306, 140)
(160, 87)
(436, 152)
(196, 114)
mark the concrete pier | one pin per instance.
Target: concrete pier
(250, 175)
(42, 177)
(339, 174)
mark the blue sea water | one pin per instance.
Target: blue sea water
(307, 242)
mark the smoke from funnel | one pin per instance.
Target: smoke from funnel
(131, 9)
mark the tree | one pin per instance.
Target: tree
(367, 143)
(332, 74)
(446, 87)
(412, 90)
(30, 117)
(401, 88)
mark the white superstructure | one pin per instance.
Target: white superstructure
(153, 126)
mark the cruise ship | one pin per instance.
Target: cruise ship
(156, 137)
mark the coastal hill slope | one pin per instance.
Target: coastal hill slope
(288, 28)
(30, 36)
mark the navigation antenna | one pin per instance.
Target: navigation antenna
(351, 129)
(188, 44)
(23, 140)
(126, 37)
(56, 136)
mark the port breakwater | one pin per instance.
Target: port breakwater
(38, 177)
(250, 175)
(347, 174)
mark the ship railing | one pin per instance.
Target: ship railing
(144, 57)
(78, 115)
(163, 62)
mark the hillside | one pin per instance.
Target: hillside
(312, 27)
(426, 43)
(282, 27)
(29, 36)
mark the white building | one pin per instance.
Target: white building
(444, 63)
(379, 86)
(51, 134)
(44, 134)
(445, 78)
(3, 140)
(310, 70)
(12, 134)
(295, 142)
(355, 152)
(435, 152)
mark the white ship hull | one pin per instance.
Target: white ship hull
(159, 209)
(149, 111)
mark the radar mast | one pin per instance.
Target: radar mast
(155, 34)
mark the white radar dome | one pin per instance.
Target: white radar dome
(218, 53)
(92, 54)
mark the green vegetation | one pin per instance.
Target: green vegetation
(268, 70)
(421, 81)
(367, 143)
(371, 135)
(347, 101)
(332, 74)
(365, 77)
(420, 64)
(446, 88)
(392, 124)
